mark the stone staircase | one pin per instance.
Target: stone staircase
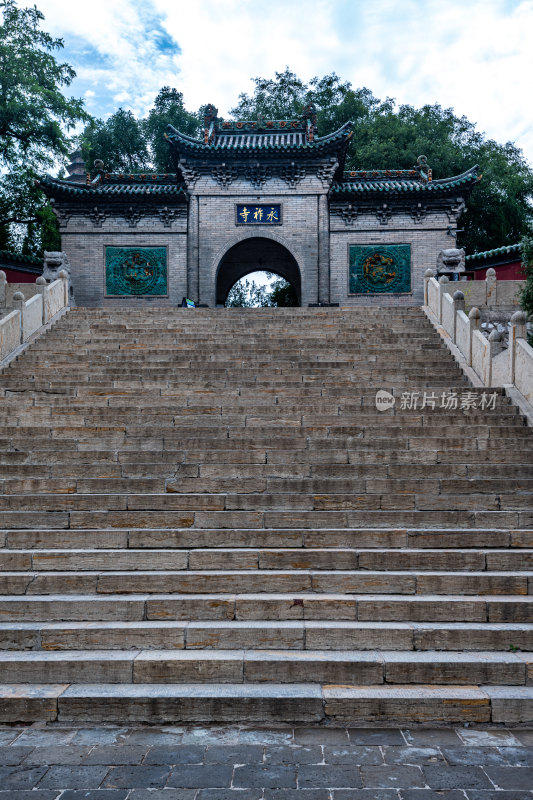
(203, 516)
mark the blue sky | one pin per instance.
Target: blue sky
(473, 55)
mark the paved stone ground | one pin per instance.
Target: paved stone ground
(223, 763)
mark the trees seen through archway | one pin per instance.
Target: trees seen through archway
(261, 289)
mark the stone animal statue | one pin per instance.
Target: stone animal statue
(451, 260)
(54, 262)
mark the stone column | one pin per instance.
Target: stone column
(490, 284)
(41, 287)
(63, 275)
(428, 274)
(323, 250)
(458, 305)
(518, 330)
(19, 305)
(474, 318)
(443, 286)
(3, 283)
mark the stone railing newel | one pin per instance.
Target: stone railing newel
(458, 305)
(3, 282)
(518, 330)
(428, 274)
(474, 320)
(443, 285)
(19, 303)
(41, 288)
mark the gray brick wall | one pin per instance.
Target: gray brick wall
(198, 239)
(85, 245)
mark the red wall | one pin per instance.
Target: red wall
(14, 276)
(505, 272)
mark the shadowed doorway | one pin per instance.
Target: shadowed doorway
(256, 255)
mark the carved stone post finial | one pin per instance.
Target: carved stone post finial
(41, 288)
(64, 276)
(20, 304)
(443, 286)
(458, 305)
(3, 282)
(517, 331)
(428, 274)
(474, 320)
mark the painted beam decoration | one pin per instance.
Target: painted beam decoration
(247, 214)
(380, 269)
(136, 271)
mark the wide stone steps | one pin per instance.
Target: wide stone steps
(490, 541)
(356, 667)
(190, 581)
(374, 559)
(198, 509)
(84, 623)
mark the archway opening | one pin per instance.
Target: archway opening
(257, 254)
(262, 290)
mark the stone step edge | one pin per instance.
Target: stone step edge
(160, 703)
(365, 667)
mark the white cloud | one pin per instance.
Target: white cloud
(474, 56)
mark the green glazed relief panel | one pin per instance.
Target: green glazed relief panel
(380, 269)
(135, 271)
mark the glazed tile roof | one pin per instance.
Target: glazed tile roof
(8, 256)
(511, 249)
(400, 181)
(117, 185)
(279, 141)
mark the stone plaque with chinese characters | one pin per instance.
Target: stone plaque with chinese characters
(135, 271)
(263, 214)
(380, 269)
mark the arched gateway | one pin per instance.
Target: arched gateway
(255, 254)
(257, 191)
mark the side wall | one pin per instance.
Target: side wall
(427, 238)
(84, 243)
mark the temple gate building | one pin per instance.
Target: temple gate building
(263, 195)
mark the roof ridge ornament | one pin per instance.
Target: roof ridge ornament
(425, 173)
(210, 121)
(310, 119)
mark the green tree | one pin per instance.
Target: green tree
(526, 293)
(247, 294)
(389, 136)
(282, 294)
(35, 118)
(168, 109)
(119, 142)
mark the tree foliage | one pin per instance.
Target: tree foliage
(168, 109)
(119, 142)
(526, 293)
(35, 117)
(249, 294)
(387, 136)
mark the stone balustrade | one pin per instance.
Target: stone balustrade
(493, 363)
(26, 311)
